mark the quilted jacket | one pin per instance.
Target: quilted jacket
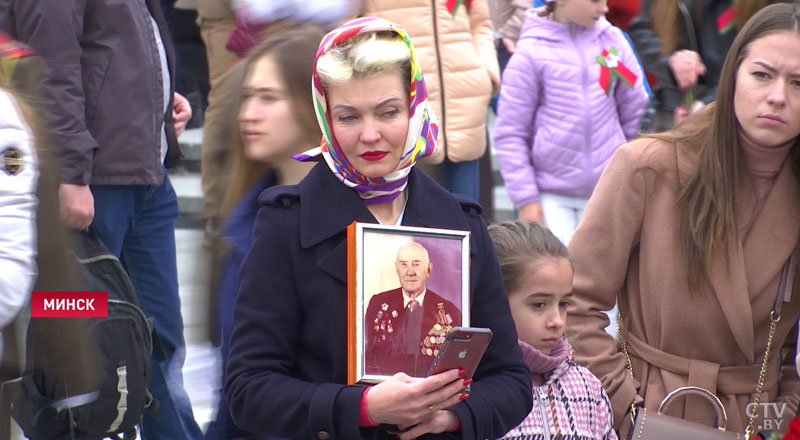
(556, 126)
(459, 61)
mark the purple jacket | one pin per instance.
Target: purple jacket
(556, 127)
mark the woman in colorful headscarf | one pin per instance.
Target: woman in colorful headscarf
(287, 370)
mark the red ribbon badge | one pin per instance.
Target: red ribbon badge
(611, 66)
(452, 6)
(726, 20)
(13, 49)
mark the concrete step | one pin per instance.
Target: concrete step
(186, 181)
(191, 141)
(503, 207)
(190, 198)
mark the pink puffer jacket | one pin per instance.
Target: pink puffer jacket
(459, 61)
(556, 126)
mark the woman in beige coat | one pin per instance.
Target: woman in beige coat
(690, 230)
(458, 56)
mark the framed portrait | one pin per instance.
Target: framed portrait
(407, 287)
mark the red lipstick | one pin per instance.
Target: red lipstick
(372, 156)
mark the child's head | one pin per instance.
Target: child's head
(581, 12)
(537, 274)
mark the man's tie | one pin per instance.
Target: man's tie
(413, 329)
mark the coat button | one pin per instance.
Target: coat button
(322, 435)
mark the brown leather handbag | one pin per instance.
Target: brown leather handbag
(649, 426)
(657, 426)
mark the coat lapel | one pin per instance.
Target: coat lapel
(752, 265)
(774, 234)
(749, 267)
(327, 206)
(729, 283)
(334, 263)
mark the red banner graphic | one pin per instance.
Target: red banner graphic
(69, 304)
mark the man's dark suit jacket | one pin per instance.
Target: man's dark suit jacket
(385, 354)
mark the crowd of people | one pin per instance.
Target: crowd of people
(651, 151)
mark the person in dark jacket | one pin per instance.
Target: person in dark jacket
(287, 371)
(684, 43)
(114, 119)
(275, 119)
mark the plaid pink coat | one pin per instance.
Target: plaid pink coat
(571, 401)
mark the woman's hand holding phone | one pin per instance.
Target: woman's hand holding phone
(441, 421)
(406, 401)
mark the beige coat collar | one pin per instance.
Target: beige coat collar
(752, 265)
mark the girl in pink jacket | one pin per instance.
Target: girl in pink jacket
(568, 400)
(572, 92)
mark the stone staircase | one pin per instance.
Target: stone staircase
(503, 207)
(186, 181)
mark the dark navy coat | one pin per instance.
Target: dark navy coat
(238, 233)
(287, 368)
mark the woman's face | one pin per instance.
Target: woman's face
(369, 118)
(267, 119)
(767, 95)
(539, 304)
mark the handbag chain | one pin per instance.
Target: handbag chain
(774, 318)
(773, 322)
(628, 366)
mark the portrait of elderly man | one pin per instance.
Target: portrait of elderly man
(406, 326)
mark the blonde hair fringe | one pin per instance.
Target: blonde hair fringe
(365, 55)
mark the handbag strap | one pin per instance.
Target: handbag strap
(784, 289)
(719, 409)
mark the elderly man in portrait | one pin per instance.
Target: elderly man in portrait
(406, 326)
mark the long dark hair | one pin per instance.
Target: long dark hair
(293, 47)
(707, 202)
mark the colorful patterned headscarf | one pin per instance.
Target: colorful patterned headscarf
(423, 126)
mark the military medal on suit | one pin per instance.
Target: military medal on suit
(435, 337)
(382, 324)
